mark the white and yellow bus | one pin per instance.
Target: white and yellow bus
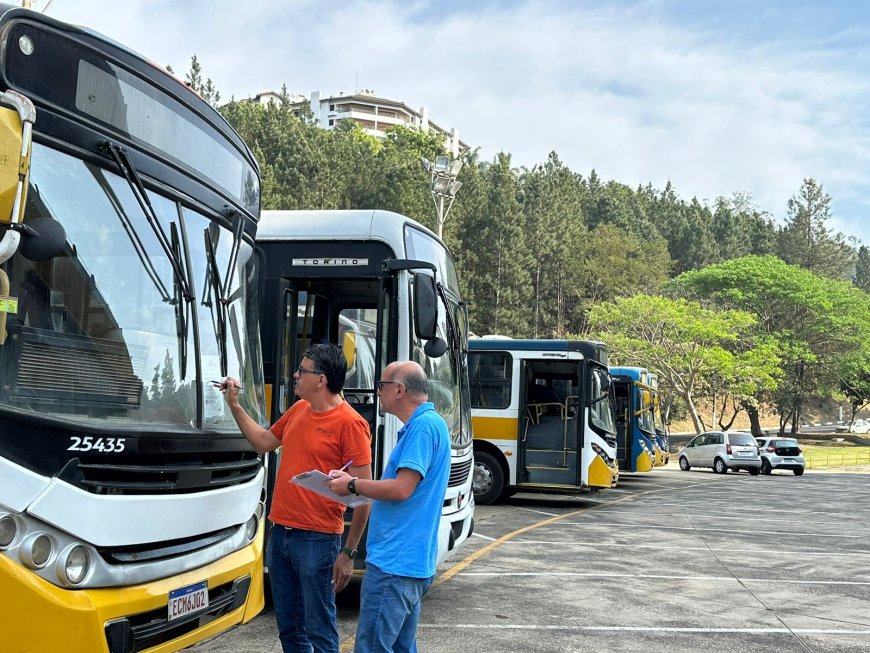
(130, 505)
(542, 417)
(385, 287)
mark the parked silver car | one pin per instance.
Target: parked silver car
(781, 453)
(721, 450)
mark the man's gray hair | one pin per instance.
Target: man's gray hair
(415, 382)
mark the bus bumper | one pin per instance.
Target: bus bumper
(456, 526)
(45, 618)
(602, 475)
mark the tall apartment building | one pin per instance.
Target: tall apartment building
(374, 114)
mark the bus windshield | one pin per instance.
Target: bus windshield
(601, 412)
(107, 316)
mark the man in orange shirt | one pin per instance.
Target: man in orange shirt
(307, 564)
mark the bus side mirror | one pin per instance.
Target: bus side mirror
(425, 306)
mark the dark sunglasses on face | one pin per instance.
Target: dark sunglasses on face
(302, 370)
(381, 384)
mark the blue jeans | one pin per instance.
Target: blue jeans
(300, 572)
(389, 612)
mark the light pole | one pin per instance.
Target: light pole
(444, 185)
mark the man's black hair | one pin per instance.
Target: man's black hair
(329, 360)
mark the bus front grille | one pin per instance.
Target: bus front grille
(177, 474)
(459, 473)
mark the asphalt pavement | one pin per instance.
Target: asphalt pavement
(668, 561)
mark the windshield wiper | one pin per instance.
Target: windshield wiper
(218, 305)
(135, 182)
(182, 308)
(238, 225)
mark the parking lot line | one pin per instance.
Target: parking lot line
(574, 574)
(651, 629)
(658, 547)
(839, 536)
(458, 567)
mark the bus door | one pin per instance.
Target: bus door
(623, 414)
(549, 416)
(355, 313)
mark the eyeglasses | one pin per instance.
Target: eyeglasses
(381, 384)
(302, 370)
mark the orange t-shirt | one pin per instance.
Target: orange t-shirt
(321, 441)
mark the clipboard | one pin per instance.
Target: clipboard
(315, 481)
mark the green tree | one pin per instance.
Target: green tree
(815, 320)
(807, 241)
(205, 87)
(611, 263)
(396, 178)
(496, 260)
(683, 341)
(862, 269)
(552, 203)
(854, 374)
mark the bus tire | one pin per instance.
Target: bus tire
(488, 479)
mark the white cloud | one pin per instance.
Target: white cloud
(622, 88)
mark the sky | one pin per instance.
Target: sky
(748, 96)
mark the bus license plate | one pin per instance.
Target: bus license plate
(186, 600)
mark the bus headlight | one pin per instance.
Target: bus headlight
(251, 528)
(602, 453)
(8, 531)
(73, 564)
(35, 550)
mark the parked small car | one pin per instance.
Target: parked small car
(781, 453)
(860, 426)
(721, 450)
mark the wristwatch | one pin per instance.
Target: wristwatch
(350, 553)
(351, 486)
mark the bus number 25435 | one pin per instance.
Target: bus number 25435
(103, 445)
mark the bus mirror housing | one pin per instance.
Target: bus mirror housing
(16, 134)
(425, 306)
(16, 130)
(435, 348)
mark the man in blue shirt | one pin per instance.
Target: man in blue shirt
(402, 544)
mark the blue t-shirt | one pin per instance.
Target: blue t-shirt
(403, 535)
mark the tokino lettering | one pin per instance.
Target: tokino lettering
(328, 262)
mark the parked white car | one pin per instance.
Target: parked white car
(860, 426)
(781, 453)
(721, 450)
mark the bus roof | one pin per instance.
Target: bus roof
(634, 373)
(327, 225)
(589, 348)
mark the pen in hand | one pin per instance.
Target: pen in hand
(343, 467)
(218, 384)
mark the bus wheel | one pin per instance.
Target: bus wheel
(488, 480)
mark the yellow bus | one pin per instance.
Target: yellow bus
(130, 506)
(542, 413)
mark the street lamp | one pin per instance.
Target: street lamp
(444, 185)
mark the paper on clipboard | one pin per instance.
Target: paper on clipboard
(315, 481)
